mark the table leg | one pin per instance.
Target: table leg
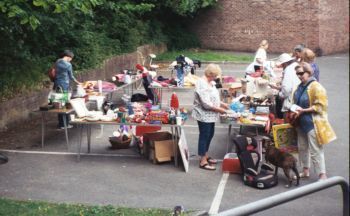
(66, 130)
(42, 129)
(79, 140)
(89, 137)
(229, 135)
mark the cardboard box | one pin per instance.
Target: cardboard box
(163, 150)
(158, 146)
(231, 163)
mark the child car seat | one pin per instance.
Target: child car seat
(266, 178)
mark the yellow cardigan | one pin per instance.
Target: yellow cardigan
(319, 103)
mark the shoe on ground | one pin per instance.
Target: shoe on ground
(68, 126)
(302, 175)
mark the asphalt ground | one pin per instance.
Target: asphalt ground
(123, 178)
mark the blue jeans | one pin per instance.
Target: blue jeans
(206, 133)
(180, 74)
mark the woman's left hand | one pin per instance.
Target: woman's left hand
(224, 105)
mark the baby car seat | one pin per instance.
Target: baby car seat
(266, 178)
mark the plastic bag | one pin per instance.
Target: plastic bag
(237, 106)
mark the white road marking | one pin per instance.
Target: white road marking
(214, 208)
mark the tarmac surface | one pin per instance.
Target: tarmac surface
(123, 178)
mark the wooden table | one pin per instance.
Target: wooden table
(43, 122)
(128, 88)
(175, 131)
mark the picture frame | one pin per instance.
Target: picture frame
(285, 137)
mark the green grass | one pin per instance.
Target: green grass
(36, 208)
(205, 55)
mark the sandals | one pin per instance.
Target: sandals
(302, 175)
(206, 166)
(212, 160)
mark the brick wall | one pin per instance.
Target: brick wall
(20, 108)
(240, 25)
(334, 25)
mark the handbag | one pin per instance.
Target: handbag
(293, 118)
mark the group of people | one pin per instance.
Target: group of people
(299, 86)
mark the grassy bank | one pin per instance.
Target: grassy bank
(35, 208)
(205, 55)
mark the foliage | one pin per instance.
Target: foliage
(33, 33)
(205, 55)
(26, 208)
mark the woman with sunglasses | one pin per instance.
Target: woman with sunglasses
(314, 129)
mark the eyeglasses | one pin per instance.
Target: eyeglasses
(300, 73)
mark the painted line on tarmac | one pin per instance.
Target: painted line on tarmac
(66, 153)
(214, 208)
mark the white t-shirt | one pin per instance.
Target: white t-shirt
(261, 54)
(289, 83)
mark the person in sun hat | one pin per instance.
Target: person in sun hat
(289, 82)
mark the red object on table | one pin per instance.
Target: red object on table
(140, 130)
(174, 101)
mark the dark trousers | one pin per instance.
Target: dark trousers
(60, 119)
(206, 133)
(279, 104)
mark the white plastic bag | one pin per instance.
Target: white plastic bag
(80, 91)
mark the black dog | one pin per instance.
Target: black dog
(284, 160)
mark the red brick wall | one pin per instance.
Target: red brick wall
(240, 25)
(334, 25)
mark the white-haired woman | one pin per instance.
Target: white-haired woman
(206, 109)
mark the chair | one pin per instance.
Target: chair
(265, 178)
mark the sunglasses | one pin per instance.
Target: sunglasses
(300, 73)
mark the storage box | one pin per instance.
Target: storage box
(158, 146)
(163, 150)
(231, 163)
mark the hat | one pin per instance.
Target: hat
(68, 53)
(283, 58)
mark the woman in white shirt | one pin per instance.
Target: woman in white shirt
(290, 81)
(259, 59)
(206, 109)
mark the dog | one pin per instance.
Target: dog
(284, 160)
